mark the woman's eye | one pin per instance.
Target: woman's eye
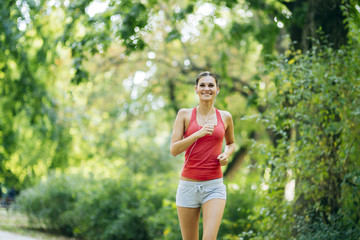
(210, 85)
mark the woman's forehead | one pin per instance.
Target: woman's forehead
(207, 79)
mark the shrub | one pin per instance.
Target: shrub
(130, 207)
(314, 114)
(48, 203)
(332, 227)
(237, 215)
(93, 209)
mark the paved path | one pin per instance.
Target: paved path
(12, 236)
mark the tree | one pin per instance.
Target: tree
(310, 19)
(313, 109)
(28, 112)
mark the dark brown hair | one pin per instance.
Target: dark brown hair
(204, 74)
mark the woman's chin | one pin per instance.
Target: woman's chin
(207, 98)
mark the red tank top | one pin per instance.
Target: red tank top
(203, 163)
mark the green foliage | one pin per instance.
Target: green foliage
(164, 223)
(112, 211)
(95, 209)
(30, 129)
(313, 111)
(113, 119)
(124, 21)
(239, 208)
(331, 227)
(173, 35)
(181, 15)
(238, 30)
(128, 207)
(58, 195)
(352, 20)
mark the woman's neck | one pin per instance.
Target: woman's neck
(205, 108)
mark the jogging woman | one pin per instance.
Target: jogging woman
(200, 132)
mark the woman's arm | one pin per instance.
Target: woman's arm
(229, 139)
(180, 144)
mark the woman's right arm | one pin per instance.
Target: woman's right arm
(178, 143)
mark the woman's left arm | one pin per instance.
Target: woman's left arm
(229, 139)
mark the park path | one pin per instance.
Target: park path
(12, 236)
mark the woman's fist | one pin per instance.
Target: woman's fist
(207, 129)
(223, 159)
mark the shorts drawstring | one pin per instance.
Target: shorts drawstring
(199, 188)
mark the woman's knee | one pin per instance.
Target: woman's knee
(209, 236)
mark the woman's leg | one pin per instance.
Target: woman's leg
(212, 214)
(189, 222)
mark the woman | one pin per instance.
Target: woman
(200, 131)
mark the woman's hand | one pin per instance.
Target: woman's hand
(207, 129)
(223, 159)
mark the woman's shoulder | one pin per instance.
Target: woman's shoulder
(225, 114)
(185, 112)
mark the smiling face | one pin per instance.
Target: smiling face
(206, 88)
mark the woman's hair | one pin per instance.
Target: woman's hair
(204, 74)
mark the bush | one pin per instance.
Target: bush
(93, 209)
(316, 226)
(49, 203)
(313, 111)
(130, 207)
(112, 210)
(237, 215)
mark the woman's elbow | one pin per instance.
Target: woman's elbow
(173, 152)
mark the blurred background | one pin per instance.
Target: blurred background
(90, 90)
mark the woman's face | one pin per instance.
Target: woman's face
(206, 88)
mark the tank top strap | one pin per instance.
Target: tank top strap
(219, 118)
(193, 115)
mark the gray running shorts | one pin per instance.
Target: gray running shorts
(194, 194)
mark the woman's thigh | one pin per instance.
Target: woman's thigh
(212, 214)
(189, 222)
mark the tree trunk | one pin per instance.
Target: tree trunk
(234, 165)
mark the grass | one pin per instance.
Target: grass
(13, 221)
